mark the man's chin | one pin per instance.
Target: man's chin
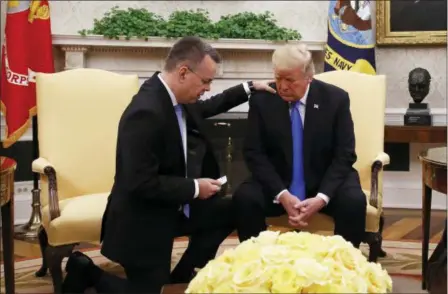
(194, 99)
(287, 98)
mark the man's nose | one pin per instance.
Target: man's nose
(281, 87)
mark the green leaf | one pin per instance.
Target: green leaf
(141, 23)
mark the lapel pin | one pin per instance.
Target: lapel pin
(316, 106)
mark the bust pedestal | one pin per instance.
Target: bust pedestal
(418, 114)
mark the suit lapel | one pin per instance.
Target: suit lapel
(311, 119)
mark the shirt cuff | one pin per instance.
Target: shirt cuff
(246, 88)
(324, 197)
(277, 197)
(196, 189)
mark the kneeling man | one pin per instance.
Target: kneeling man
(300, 150)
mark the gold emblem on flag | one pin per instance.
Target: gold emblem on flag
(38, 11)
(13, 3)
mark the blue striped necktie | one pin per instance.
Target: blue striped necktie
(178, 109)
(297, 187)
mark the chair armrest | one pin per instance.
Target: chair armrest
(379, 162)
(39, 165)
(44, 167)
(383, 158)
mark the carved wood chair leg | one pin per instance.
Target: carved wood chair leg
(43, 244)
(54, 256)
(382, 252)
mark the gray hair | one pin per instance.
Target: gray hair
(294, 56)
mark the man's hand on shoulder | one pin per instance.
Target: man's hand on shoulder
(208, 187)
(264, 86)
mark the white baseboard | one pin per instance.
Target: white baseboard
(411, 199)
(22, 202)
(404, 190)
(398, 193)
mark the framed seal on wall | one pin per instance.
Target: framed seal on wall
(411, 22)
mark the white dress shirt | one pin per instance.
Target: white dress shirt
(184, 126)
(302, 107)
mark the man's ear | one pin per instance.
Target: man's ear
(182, 72)
(310, 78)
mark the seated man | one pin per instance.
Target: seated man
(300, 148)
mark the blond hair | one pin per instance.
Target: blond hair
(294, 56)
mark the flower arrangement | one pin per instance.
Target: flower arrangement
(292, 263)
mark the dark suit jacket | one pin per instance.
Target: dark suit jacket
(329, 140)
(142, 213)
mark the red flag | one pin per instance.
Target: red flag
(27, 49)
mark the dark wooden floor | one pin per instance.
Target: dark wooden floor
(400, 225)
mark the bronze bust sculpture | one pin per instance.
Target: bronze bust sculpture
(418, 113)
(419, 81)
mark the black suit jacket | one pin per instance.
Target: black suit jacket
(142, 213)
(329, 140)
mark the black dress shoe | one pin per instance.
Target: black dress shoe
(82, 273)
(78, 259)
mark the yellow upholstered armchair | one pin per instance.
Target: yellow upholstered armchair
(367, 105)
(78, 112)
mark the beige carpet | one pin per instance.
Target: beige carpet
(403, 263)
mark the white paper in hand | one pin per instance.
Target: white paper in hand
(223, 180)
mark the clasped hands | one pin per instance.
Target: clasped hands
(300, 211)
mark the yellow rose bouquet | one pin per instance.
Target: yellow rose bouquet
(292, 263)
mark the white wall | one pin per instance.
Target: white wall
(306, 16)
(404, 189)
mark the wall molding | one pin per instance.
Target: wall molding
(78, 42)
